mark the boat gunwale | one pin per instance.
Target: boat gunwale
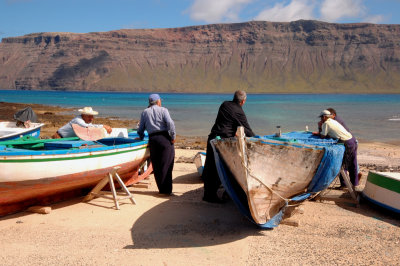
(384, 181)
(37, 127)
(66, 153)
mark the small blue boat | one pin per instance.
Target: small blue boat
(10, 130)
(263, 175)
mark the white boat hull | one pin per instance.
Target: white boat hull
(383, 189)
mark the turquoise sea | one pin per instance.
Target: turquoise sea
(369, 117)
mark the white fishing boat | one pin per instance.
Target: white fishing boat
(383, 189)
(36, 171)
(10, 130)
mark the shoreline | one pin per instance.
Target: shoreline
(55, 117)
(372, 155)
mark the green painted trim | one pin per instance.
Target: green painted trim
(67, 158)
(383, 181)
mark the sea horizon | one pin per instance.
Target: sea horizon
(370, 117)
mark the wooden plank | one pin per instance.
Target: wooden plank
(337, 198)
(96, 189)
(291, 222)
(349, 185)
(40, 209)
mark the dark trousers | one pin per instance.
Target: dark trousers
(350, 161)
(162, 154)
(210, 174)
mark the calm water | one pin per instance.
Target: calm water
(370, 117)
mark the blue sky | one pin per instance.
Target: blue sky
(20, 17)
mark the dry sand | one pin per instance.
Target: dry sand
(182, 229)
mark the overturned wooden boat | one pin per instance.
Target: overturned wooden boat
(383, 189)
(265, 174)
(10, 130)
(35, 171)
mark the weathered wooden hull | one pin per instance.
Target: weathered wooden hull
(31, 177)
(383, 189)
(267, 173)
(9, 130)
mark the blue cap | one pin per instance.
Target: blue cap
(154, 97)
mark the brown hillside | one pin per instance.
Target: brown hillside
(301, 56)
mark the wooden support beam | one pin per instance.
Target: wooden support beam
(40, 209)
(291, 222)
(109, 179)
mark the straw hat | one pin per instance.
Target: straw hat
(88, 111)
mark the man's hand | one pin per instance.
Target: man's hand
(172, 141)
(107, 128)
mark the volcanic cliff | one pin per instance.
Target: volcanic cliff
(296, 57)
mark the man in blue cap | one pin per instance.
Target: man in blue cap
(161, 129)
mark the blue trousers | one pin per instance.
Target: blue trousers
(350, 160)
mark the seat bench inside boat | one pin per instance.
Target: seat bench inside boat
(68, 144)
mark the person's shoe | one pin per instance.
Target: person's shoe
(214, 199)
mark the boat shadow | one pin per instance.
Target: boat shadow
(192, 178)
(368, 209)
(186, 221)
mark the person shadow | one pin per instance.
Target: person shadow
(186, 221)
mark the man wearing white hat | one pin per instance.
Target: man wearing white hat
(333, 129)
(84, 120)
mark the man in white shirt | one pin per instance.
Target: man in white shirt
(333, 129)
(84, 120)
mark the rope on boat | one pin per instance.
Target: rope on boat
(262, 183)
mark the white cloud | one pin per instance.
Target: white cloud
(212, 11)
(295, 10)
(333, 10)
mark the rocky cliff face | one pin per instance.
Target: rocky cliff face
(301, 56)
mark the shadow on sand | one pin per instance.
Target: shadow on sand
(369, 209)
(187, 221)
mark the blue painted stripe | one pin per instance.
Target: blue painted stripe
(22, 152)
(381, 204)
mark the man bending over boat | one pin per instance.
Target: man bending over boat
(84, 120)
(161, 129)
(333, 129)
(230, 116)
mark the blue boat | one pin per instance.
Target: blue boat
(10, 130)
(264, 175)
(41, 171)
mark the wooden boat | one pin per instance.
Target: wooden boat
(263, 175)
(199, 160)
(383, 189)
(41, 171)
(10, 130)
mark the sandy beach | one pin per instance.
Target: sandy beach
(182, 229)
